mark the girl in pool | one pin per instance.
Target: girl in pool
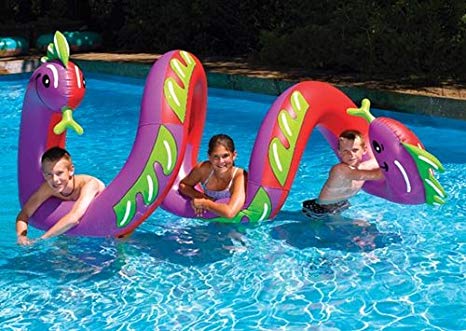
(219, 179)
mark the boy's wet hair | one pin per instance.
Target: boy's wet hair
(221, 139)
(54, 154)
(351, 135)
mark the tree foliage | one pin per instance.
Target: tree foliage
(399, 37)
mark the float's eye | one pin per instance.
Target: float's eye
(376, 146)
(46, 81)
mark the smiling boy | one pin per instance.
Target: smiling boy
(62, 183)
(345, 178)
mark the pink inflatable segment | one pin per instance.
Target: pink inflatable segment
(283, 136)
(277, 152)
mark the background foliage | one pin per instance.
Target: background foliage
(401, 37)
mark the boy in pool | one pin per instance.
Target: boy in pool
(62, 183)
(219, 178)
(345, 178)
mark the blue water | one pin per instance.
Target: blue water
(384, 266)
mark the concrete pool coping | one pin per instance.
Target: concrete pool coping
(448, 100)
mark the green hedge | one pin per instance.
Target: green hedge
(424, 38)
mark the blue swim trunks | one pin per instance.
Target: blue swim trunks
(313, 209)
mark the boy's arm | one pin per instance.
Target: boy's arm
(341, 173)
(365, 174)
(369, 164)
(29, 208)
(88, 192)
(22, 228)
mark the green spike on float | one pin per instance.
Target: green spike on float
(59, 49)
(51, 51)
(426, 163)
(435, 193)
(363, 111)
(428, 160)
(67, 122)
(437, 201)
(50, 54)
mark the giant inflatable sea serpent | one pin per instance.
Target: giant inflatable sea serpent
(282, 138)
(167, 142)
(172, 114)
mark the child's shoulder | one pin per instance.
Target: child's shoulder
(203, 166)
(240, 172)
(340, 169)
(202, 169)
(83, 179)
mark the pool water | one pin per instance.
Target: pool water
(381, 266)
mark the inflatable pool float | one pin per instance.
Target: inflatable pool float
(172, 113)
(78, 41)
(407, 167)
(11, 46)
(166, 147)
(282, 138)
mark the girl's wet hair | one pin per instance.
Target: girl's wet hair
(221, 139)
(54, 154)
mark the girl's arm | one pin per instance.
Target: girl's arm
(188, 184)
(234, 204)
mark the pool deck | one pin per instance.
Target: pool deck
(446, 100)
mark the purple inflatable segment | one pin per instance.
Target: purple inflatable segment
(48, 87)
(398, 167)
(256, 168)
(100, 218)
(174, 202)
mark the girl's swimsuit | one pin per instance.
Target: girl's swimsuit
(222, 194)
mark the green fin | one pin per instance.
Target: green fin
(67, 122)
(59, 49)
(363, 111)
(62, 49)
(426, 163)
(259, 210)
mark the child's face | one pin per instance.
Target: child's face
(351, 151)
(57, 173)
(221, 158)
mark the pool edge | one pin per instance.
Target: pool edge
(383, 99)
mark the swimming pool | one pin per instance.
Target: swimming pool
(404, 269)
